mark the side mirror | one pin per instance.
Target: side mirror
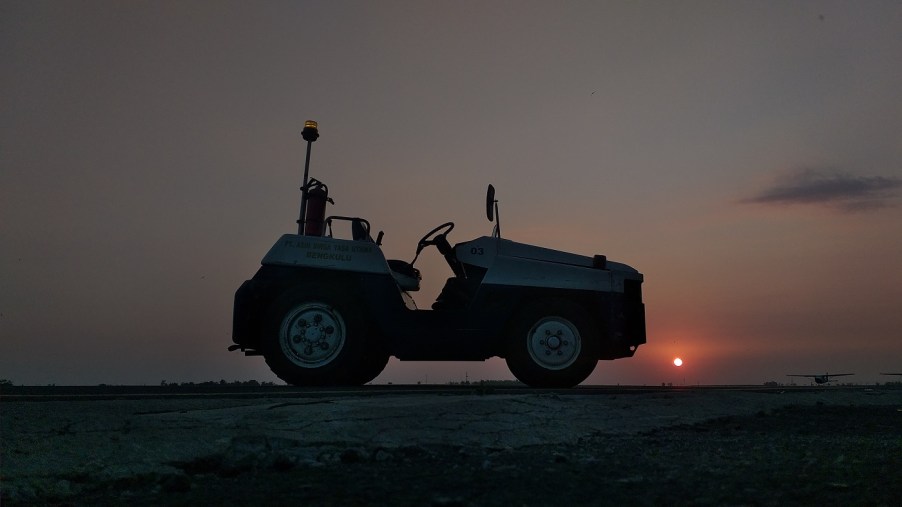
(491, 211)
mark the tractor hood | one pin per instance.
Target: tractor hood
(537, 253)
(482, 252)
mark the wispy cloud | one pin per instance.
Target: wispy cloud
(844, 191)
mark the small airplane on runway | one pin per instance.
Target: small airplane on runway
(823, 379)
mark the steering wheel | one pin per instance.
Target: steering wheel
(440, 240)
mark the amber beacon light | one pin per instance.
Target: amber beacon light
(310, 132)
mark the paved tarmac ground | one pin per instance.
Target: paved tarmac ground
(480, 446)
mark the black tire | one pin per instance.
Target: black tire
(552, 344)
(315, 336)
(374, 359)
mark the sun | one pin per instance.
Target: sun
(678, 362)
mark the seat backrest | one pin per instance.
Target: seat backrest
(359, 231)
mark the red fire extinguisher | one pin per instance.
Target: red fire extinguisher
(317, 194)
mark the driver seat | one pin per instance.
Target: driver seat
(407, 277)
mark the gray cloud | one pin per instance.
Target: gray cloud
(836, 189)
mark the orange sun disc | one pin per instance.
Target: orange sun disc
(678, 362)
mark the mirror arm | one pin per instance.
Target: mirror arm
(497, 232)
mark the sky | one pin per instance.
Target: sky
(744, 156)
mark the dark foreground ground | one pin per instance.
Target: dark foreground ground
(793, 455)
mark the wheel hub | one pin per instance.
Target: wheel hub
(554, 343)
(312, 335)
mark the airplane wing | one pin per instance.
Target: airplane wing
(830, 375)
(826, 375)
(891, 373)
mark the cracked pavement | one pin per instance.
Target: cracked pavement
(49, 444)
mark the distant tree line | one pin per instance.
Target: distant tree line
(496, 383)
(248, 383)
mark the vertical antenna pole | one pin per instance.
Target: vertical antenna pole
(310, 134)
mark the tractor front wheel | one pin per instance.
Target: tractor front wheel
(552, 344)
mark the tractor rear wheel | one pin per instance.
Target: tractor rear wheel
(374, 359)
(314, 336)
